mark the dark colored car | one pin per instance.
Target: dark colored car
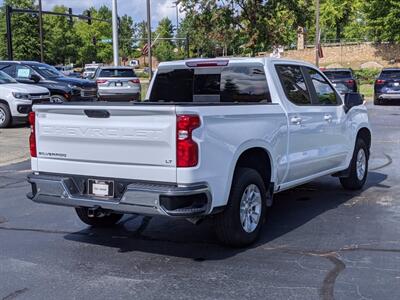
(343, 79)
(61, 87)
(387, 86)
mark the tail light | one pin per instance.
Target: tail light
(187, 150)
(350, 82)
(32, 136)
(136, 80)
(101, 81)
(379, 81)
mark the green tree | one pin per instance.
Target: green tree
(25, 30)
(61, 42)
(164, 49)
(383, 20)
(126, 30)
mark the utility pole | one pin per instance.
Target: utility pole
(149, 39)
(9, 32)
(317, 36)
(177, 17)
(115, 32)
(41, 31)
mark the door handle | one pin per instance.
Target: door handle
(296, 120)
(328, 118)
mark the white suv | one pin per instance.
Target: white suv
(16, 99)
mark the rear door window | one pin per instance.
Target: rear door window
(294, 84)
(229, 84)
(117, 73)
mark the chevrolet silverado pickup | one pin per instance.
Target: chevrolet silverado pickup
(214, 138)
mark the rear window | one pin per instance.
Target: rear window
(337, 74)
(229, 84)
(392, 74)
(117, 73)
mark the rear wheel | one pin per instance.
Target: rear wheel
(358, 167)
(5, 115)
(377, 101)
(101, 219)
(240, 224)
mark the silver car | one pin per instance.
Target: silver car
(117, 84)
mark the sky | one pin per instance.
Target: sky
(134, 8)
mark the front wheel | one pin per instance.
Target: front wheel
(358, 167)
(98, 220)
(5, 116)
(57, 99)
(240, 224)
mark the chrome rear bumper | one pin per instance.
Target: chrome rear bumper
(139, 198)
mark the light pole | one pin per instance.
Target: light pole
(149, 39)
(317, 36)
(115, 32)
(41, 31)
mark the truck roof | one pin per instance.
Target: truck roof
(244, 60)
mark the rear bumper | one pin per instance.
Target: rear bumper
(140, 198)
(119, 97)
(394, 96)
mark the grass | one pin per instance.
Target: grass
(367, 90)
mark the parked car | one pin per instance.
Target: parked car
(387, 86)
(342, 79)
(16, 99)
(215, 138)
(117, 84)
(61, 87)
(90, 70)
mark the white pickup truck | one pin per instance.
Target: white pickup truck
(216, 138)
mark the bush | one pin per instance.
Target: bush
(367, 76)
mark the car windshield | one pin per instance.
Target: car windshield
(47, 71)
(90, 69)
(4, 78)
(337, 74)
(392, 74)
(119, 73)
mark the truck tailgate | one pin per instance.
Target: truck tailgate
(129, 141)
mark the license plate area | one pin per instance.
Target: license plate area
(118, 84)
(101, 188)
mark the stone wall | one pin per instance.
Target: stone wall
(355, 56)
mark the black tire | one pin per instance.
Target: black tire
(107, 220)
(353, 181)
(5, 116)
(57, 99)
(229, 227)
(377, 101)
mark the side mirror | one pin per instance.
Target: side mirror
(352, 99)
(35, 78)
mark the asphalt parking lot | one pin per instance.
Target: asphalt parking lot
(320, 242)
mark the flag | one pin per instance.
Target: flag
(145, 49)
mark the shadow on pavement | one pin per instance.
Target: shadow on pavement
(179, 238)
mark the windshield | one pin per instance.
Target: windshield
(390, 74)
(90, 69)
(47, 71)
(4, 78)
(338, 74)
(119, 73)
